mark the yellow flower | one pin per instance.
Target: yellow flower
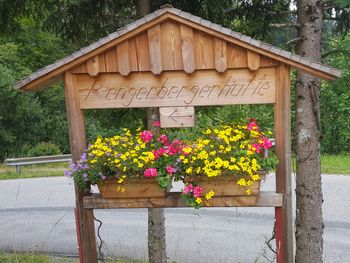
(198, 200)
(209, 195)
(189, 170)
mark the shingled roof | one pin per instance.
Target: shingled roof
(54, 72)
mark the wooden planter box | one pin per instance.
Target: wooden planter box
(135, 187)
(228, 187)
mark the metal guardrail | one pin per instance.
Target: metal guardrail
(19, 162)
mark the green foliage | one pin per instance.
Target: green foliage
(335, 103)
(44, 148)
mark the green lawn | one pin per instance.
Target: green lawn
(335, 164)
(32, 171)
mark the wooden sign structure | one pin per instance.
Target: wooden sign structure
(176, 61)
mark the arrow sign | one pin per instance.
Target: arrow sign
(174, 117)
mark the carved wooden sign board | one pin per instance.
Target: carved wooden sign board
(176, 89)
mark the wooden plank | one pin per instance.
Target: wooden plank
(78, 145)
(155, 52)
(171, 46)
(187, 49)
(111, 60)
(142, 51)
(176, 89)
(172, 117)
(133, 55)
(236, 57)
(220, 51)
(93, 67)
(123, 58)
(268, 62)
(253, 59)
(204, 50)
(80, 69)
(265, 199)
(102, 63)
(283, 152)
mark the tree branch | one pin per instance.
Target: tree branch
(281, 25)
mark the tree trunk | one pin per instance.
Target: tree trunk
(156, 219)
(309, 222)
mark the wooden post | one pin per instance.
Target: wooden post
(77, 138)
(283, 215)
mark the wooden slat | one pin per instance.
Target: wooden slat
(142, 51)
(268, 62)
(123, 58)
(80, 69)
(177, 89)
(187, 49)
(78, 145)
(236, 57)
(102, 63)
(111, 60)
(132, 55)
(204, 50)
(155, 53)
(253, 59)
(265, 199)
(171, 46)
(220, 54)
(93, 67)
(283, 152)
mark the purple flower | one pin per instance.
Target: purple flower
(108, 153)
(67, 173)
(83, 157)
(85, 177)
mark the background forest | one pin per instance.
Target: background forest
(37, 33)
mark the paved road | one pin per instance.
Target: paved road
(37, 215)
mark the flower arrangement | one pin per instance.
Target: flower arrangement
(236, 152)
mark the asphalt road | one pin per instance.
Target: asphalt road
(37, 215)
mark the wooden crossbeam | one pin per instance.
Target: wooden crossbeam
(265, 199)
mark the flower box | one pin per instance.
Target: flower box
(131, 188)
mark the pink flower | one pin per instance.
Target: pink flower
(156, 124)
(197, 191)
(150, 172)
(252, 125)
(169, 169)
(156, 155)
(188, 189)
(267, 143)
(146, 136)
(257, 147)
(164, 139)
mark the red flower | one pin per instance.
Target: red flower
(169, 169)
(150, 172)
(146, 136)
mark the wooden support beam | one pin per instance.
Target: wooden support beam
(77, 137)
(266, 199)
(284, 221)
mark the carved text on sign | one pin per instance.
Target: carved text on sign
(174, 88)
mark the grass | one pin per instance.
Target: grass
(39, 258)
(32, 171)
(335, 164)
